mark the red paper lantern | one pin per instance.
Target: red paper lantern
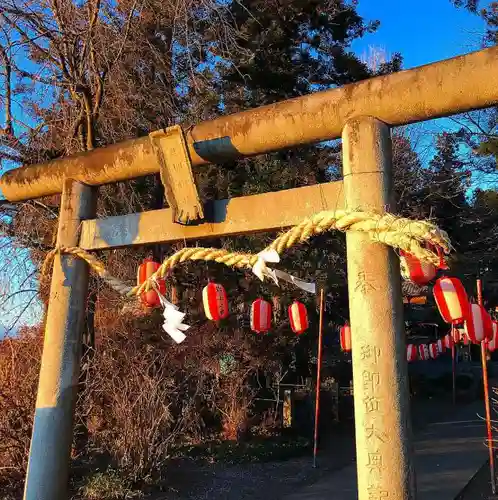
(260, 316)
(346, 338)
(214, 298)
(298, 317)
(433, 350)
(415, 270)
(451, 299)
(478, 324)
(423, 352)
(411, 353)
(448, 341)
(492, 344)
(146, 270)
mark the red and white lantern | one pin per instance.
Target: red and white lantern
(433, 350)
(346, 338)
(451, 299)
(214, 298)
(298, 317)
(440, 346)
(415, 270)
(411, 353)
(260, 316)
(447, 341)
(478, 324)
(146, 270)
(492, 344)
(423, 352)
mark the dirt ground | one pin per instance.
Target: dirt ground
(275, 480)
(258, 481)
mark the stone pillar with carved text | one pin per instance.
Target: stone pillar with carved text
(381, 400)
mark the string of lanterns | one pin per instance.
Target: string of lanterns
(475, 325)
(454, 306)
(215, 302)
(470, 323)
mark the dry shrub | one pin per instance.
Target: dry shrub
(108, 485)
(141, 396)
(19, 367)
(235, 399)
(137, 400)
(144, 396)
(127, 400)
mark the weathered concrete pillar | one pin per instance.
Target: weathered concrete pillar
(49, 457)
(382, 421)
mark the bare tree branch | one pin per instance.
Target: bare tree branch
(8, 129)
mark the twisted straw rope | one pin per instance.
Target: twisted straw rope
(398, 232)
(91, 260)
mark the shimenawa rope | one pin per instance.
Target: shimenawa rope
(92, 261)
(398, 232)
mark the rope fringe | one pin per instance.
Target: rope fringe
(397, 232)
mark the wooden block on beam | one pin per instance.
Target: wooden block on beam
(176, 174)
(244, 215)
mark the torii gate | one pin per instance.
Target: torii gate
(362, 114)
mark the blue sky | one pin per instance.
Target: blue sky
(422, 31)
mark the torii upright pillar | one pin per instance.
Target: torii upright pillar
(381, 404)
(50, 453)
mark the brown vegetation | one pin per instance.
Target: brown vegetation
(19, 368)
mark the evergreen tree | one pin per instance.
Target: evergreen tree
(409, 178)
(287, 49)
(446, 192)
(477, 258)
